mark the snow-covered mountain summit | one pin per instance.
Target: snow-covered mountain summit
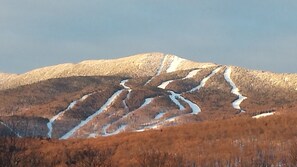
(140, 65)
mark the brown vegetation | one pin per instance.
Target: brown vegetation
(240, 141)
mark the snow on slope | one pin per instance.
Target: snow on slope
(120, 129)
(146, 102)
(162, 65)
(102, 109)
(204, 80)
(163, 61)
(191, 74)
(70, 106)
(159, 115)
(175, 96)
(158, 124)
(263, 115)
(174, 64)
(235, 90)
(123, 83)
(164, 84)
(17, 134)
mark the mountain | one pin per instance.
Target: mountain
(133, 66)
(135, 94)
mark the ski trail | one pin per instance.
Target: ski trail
(204, 80)
(164, 84)
(120, 129)
(162, 65)
(235, 90)
(17, 134)
(70, 106)
(102, 109)
(174, 98)
(147, 101)
(263, 115)
(195, 108)
(123, 83)
(163, 61)
(174, 64)
(191, 74)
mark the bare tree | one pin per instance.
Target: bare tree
(90, 157)
(155, 158)
(293, 154)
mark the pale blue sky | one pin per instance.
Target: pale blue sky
(250, 33)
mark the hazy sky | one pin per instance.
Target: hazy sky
(257, 34)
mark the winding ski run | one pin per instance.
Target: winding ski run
(54, 118)
(102, 109)
(190, 75)
(235, 90)
(123, 84)
(175, 98)
(122, 128)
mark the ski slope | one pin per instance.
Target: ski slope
(235, 90)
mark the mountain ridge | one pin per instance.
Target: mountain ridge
(139, 65)
(139, 93)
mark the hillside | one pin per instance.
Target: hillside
(141, 65)
(136, 94)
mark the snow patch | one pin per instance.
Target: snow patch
(164, 84)
(146, 102)
(92, 135)
(102, 109)
(120, 129)
(235, 90)
(174, 64)
(157, 125)
(191, 74)
(159, 115)
(204, 80)
(263, 115)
